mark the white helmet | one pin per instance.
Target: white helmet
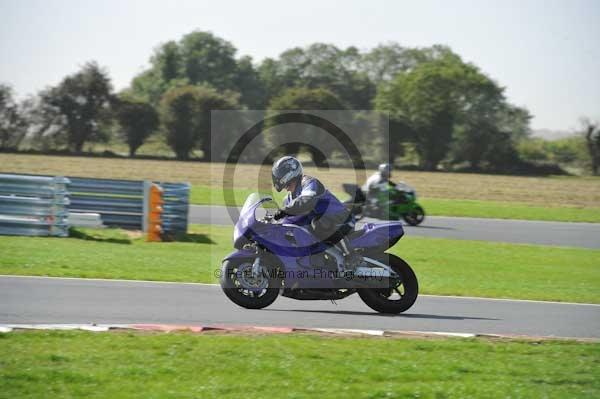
(385, 170)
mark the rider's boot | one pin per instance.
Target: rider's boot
(351, 258)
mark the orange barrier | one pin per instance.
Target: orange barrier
(155, 210)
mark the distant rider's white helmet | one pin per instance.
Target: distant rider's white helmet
(385, 170)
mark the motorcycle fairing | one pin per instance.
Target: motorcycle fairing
(240, 254)
(380, 235)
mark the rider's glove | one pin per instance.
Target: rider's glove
(280, 214)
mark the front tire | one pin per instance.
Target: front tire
(246, 291)
(396, 299)
(415, 216)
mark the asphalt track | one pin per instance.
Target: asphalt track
(28, 300)
(585, 235)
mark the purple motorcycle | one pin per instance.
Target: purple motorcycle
(273, 258)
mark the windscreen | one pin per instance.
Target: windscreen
(251, 200)
(402, 186)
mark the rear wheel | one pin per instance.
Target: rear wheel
(400, 296)
(245, 289)
(415, 216)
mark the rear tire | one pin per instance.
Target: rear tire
(235, 287)
(397, 299)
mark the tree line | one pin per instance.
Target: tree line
(444, 111)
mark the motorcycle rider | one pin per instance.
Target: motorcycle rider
(378, 179)
(313, 205)
(378, 182)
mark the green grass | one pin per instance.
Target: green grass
(202, 195)
(110, 253)
(443, 266)
(501, 270)
(181, 365)
(508, 210)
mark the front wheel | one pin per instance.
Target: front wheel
(398, 298)
(245, 289)
(415, 216)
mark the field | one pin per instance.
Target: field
(181, 365)
(450, 194)
(456, 267)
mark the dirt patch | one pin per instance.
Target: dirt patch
(134, 234)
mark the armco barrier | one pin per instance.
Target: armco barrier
(176, 197)
(33, 205)
(120, 203)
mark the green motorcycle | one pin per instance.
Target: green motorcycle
(390, 202)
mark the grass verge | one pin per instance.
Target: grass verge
(134, 365)
(113, 254)
(508, 210)
(443, 266)
(502, 270)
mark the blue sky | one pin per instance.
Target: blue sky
(546, 53)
